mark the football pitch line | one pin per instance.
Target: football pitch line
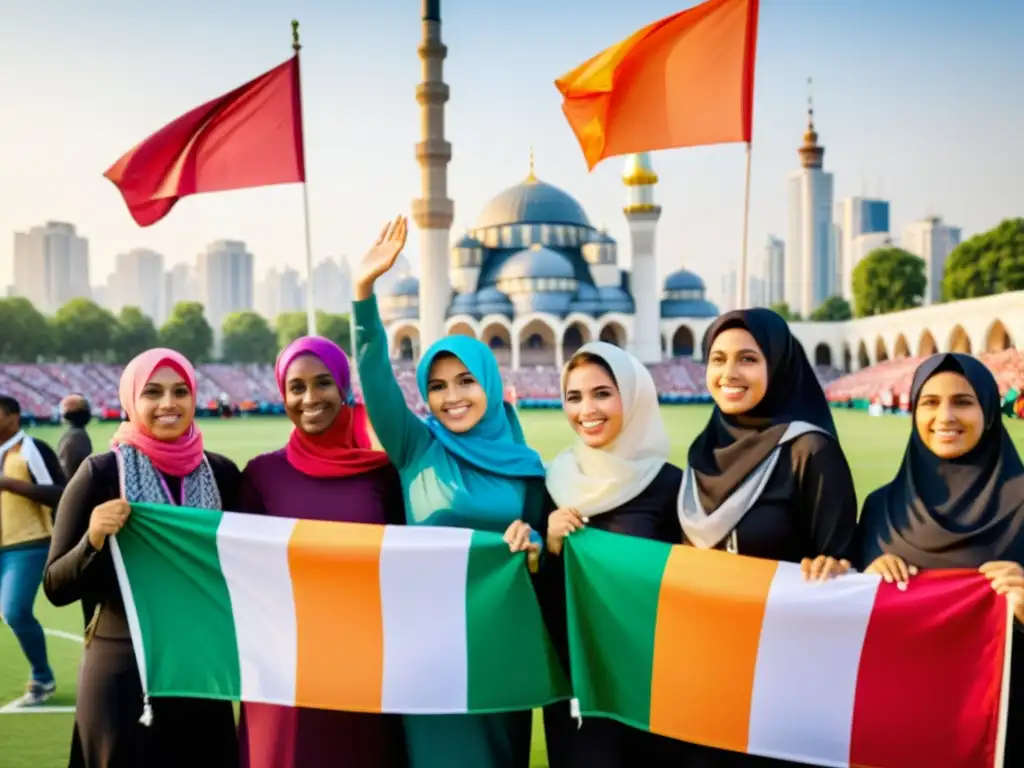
(12, 708)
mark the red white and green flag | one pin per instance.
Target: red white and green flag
(741, 654)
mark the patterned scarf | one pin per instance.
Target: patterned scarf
(141, 483)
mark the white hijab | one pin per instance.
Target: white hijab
(596, 480)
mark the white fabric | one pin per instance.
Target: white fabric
(29, 452)
(596, 480)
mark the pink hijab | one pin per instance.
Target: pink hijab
(180, 457)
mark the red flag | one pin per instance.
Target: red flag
(684, 81)
(251, 137)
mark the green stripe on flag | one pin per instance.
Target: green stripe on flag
(512, 663)
(613, 583)
(184, 607)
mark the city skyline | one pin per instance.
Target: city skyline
(942, 144)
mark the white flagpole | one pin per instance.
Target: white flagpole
(310, 306)
(742, 287)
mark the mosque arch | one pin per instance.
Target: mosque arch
(462, 329)
(926, 344)
(997, 338)
(901, 348)
(847, 358)
(881, 353)
(959, 341)
(613, 333)
(823, 355)
(405, 344)
(863, 361)
(537, 344)
(498, 337)
(574, 336)
(683, 342)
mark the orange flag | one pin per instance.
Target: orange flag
(684, 81)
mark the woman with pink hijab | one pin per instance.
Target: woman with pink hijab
(156, 457)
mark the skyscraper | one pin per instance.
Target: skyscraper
(51, 265)
(933, 241)
(856, 216)
(774, 271)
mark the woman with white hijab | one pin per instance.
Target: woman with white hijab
(615, 477)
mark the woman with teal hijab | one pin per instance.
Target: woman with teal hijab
(467, 466)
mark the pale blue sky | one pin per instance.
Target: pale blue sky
(916, 101)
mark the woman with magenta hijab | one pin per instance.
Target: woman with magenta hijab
(156, 457)
(327, 471)
(465, 466)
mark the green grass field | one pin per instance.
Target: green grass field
(40, 739)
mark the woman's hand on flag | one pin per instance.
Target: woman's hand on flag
(823, 568)
(106, 520)
(893, 570)
(561, 523)
(1007, 578)
(518, 537)
(381, 257)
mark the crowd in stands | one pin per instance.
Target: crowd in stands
(39, 388)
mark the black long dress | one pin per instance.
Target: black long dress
(602, 742)
(108, 734)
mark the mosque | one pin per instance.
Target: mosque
(534, 278)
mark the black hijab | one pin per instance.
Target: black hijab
(957, 513)
(731, 447)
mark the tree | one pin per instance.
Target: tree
(248, 339)
(83, 330)
(135, 334)
(989, 263)
(887, 280)
(292, 325)
(834, 309)
(782, 309)
(25, 334)
(186, 331)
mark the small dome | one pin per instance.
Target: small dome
(674, 308)
(537, 261)
(532, 202)
(406, 286)
(684, 280)
(491, 301)
(462, 304)
(588, 300)
(614, 299)
(468, 241)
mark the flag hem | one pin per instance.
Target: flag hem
(130, 611)
(999, 759)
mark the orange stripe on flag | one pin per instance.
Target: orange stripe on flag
(710, 610)
(335, 569)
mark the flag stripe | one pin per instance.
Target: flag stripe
(807, 661)
(335, 573)
(423, 594)
(910, 681)
(253, 551)
(710, 612)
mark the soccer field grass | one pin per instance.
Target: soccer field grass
(40, 738)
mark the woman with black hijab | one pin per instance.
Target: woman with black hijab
(957, 500)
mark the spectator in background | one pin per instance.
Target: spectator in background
(75, 446)
(31, 484)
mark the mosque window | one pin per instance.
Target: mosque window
(491, 238)
(690, 294)
(506, 237)
(545, 234)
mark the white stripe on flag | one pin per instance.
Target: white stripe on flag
(423, 598)
(805, 681)
(253, 551)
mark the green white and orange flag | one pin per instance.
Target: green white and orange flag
(340, 616)
(742, 654)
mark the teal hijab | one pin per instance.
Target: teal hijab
(496, 444)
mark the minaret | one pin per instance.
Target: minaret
(643, 213)
(433, 212)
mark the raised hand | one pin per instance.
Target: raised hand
(381, 257)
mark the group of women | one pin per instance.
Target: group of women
(765, 478)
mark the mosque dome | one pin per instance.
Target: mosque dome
(537, 262)
(684, 280)
(468, 241)
(491, 301)
(406, 286)
(532, 202)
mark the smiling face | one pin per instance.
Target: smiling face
(593, 404)
(948, 416)
(454, 395)
(166, 406)
(737, 372)
(312, 399)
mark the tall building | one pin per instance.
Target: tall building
(856, 216)
(51, 265)
(180, 285)
(280, 291)
(138, 281)
(642, 213)
(774, 271)
(729, 300)
(224, 274)
(933, 241)
(810, 271)
(433, 211)
(332, 283)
